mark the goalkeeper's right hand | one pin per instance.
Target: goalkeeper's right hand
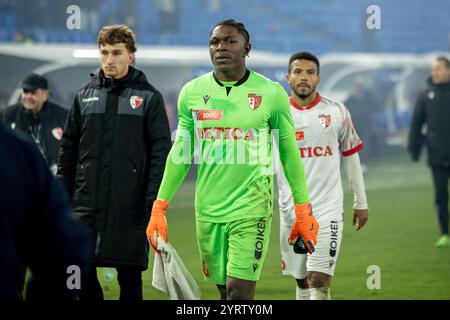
(305, 226)
(157, 223)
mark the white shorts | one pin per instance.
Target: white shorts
(323, 259)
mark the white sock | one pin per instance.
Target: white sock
(320, 293)
(302, 294)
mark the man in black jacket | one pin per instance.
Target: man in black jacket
(35, 115)
(112, 158)
(433, 110)
(36, 229)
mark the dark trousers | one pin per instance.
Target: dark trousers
(130, 282)
(441, 175)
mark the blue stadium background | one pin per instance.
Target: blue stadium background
(320, 26)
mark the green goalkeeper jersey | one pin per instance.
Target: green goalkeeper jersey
(229, 125)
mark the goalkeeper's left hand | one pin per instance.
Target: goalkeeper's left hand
(157, 223)
(305, 226)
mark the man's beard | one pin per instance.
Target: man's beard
(303, 96)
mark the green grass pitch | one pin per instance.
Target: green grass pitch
(399, 238)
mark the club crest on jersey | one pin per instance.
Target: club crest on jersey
(136, 101)
(57, 133)
(254, 100)
(325, 120)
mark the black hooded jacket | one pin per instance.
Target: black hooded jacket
(433, 109)
(112, 159)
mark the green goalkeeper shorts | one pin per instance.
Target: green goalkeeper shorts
(236, 249)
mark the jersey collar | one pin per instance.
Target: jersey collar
(238, 83)
(301, 108)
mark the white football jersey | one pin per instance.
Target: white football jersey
(324, 131)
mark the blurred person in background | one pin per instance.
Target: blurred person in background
(169, 12)
(363, 106)
(112, 157)
(430, 126)
(36, 230)
(38, 117)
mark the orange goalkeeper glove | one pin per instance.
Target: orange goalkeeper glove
(305, 226)
(157, 223)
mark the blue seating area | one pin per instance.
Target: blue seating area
(284, 26)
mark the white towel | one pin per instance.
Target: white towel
(171, 276)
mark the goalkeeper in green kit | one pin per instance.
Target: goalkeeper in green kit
(230, 114)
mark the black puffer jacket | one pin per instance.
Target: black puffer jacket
(432, 109)
(51, 118)
(112, 159)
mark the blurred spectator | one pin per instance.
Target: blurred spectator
(363, 106)
(127, 13)
(168, 11)
(20, 37)
(433, 111)
(35, 115)
(36, 230)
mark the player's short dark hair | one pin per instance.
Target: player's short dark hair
(117, 33)
(237, 24)
(444, 60)
(304, 55)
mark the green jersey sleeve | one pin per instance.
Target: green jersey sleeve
(180, 156)
(281, 120)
